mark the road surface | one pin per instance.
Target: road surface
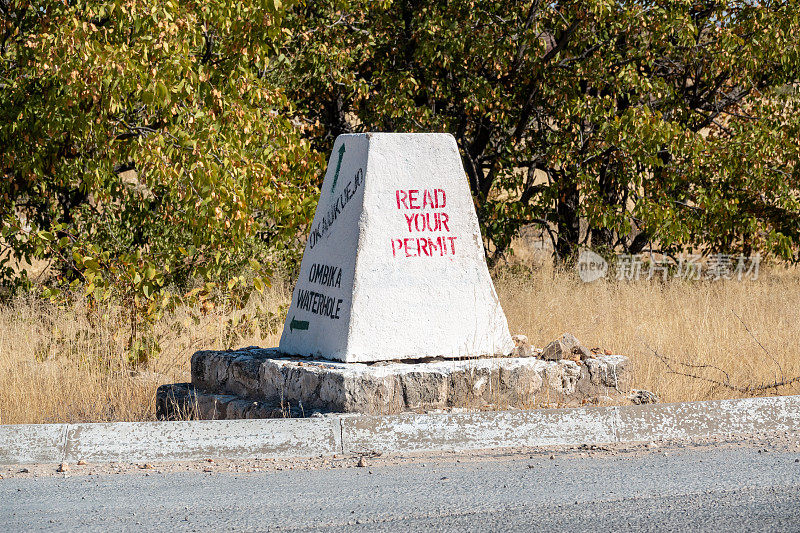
(698, 488)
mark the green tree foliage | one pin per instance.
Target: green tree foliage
(672, 124)
(146, 144)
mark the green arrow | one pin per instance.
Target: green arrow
(298, 324)
(338, 166)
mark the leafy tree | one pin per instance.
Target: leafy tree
(144, 144)
(667, 124)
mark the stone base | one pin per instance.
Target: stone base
(259, 383)
(182, 401)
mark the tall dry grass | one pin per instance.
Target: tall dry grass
(745, 333)
(67, 365)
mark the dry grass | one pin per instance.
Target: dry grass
(692, 323)
(64, 364)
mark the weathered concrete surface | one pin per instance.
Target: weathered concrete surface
(588, 425)
(172, 441)
(707, 419)
(394, 266)
(467, 431)
(282, 382)
(32, 443)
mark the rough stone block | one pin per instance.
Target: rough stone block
(258, 383)
(560, 348)
(522, 347)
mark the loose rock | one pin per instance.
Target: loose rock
(522, 347)
(559, 348)
(642, 397)
(583, 352)
(566, 347)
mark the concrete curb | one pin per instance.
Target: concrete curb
(470, 431)
(347, 434)
(172, 441)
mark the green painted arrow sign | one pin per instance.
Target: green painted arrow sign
(338, 166)
(298, 324)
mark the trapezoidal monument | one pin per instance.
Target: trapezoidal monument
(394, 264)
(394, 309)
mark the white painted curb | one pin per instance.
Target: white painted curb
(239, 439)
(171, 441)
(470, 431)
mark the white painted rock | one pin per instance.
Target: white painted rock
(394, 266)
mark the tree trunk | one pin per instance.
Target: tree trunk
(603, 237)
(568, 222)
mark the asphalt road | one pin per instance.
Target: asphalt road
(698, 489)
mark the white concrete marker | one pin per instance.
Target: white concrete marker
(394, 266)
